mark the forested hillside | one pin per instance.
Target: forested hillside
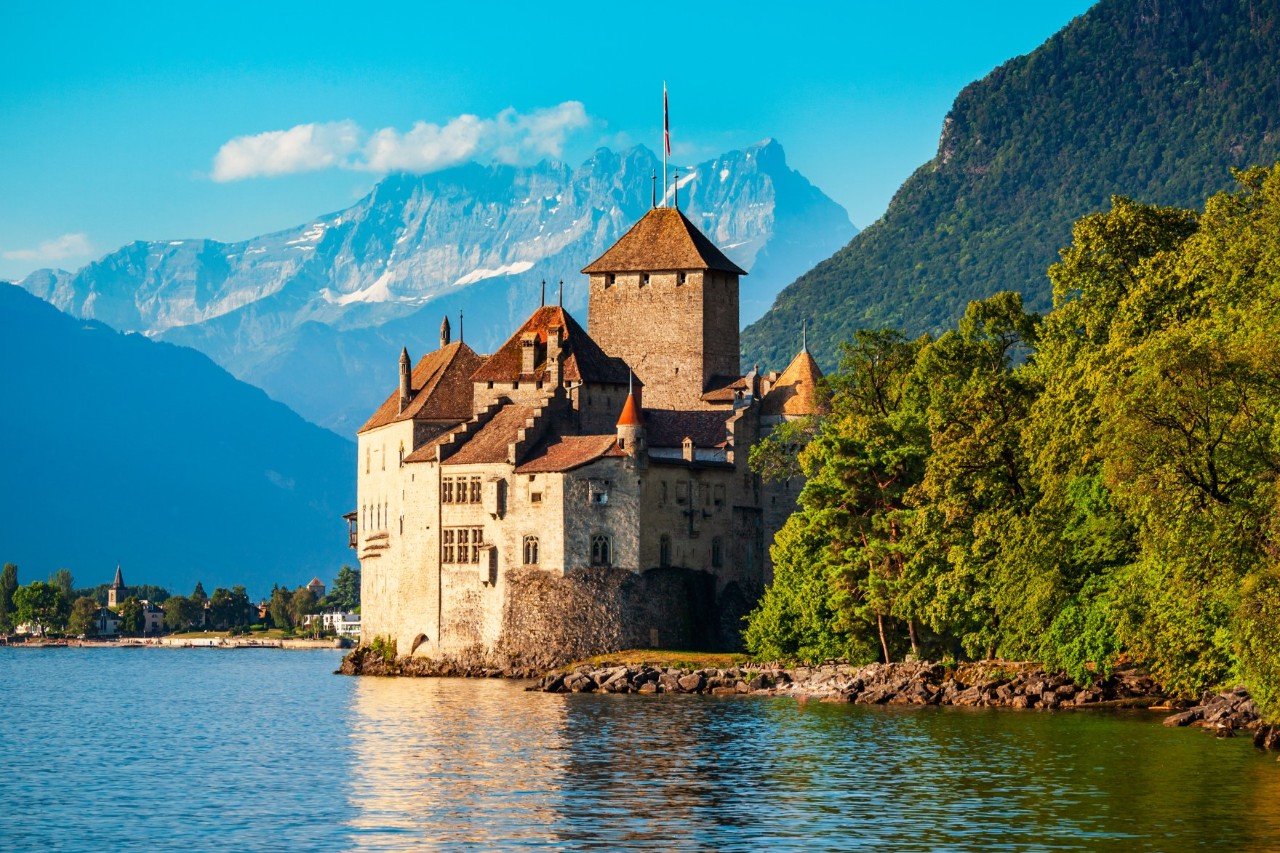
(1152, 99)
(1099, 484)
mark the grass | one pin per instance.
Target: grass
(665, 658)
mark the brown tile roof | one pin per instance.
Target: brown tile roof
(566, 452)
(796, 391)
(441, 385)
(668, 428)
(724, 389)
(663, 240)
(427, 452)
(493, 440)
(582, 359)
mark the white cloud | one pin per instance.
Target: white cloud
(59, 248)
(509, 137)
(305, 148)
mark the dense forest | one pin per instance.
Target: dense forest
(1152, 99)
(1092, 486)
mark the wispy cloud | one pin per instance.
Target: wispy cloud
(508, 137)
(59, 248)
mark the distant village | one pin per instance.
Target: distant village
(57, 609)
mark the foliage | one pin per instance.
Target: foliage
(42, 606)
(8, 585)
(83, 620)
(345, 593)
(230, 608)
(1102, 481)
(384, 647)
(149, 592)
(279, 608)
(182, 613)
(131, 618)
(1153, 100)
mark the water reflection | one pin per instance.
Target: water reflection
(445, 764)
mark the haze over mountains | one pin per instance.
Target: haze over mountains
(316, 315)
(1156, 101)
(118, 448)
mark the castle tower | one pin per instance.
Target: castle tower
(116, 592)
(631, 432)
(664, 299)
(444, 332)
(405, 386)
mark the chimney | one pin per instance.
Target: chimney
(555, 343)
(444, 332)
(404, 378)
(528, 353)
(688, 449)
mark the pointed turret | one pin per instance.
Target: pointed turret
(795, 393)
(632, 439)
(405, 370)
(444, 332)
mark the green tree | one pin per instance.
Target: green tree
(301, 604)
(345, 594)
(40, 605)
(65, 584)
(198, 594)
(83, 620)
(279, 608)
(182, 613)
(8, 585)
(131, 618)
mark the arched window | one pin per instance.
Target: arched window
(531, 550)
(717, 552)
(664, 550)
(601, 550)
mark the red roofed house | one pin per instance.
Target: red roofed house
(579, 490)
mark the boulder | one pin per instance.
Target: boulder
(1184, 718)
(691, 683)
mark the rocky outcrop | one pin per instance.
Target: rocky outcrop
(1224, 714)
(1015, 685)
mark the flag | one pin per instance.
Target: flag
(666, 122)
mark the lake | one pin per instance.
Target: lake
(196, 749)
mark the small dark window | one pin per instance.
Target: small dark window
(717, 553)
(644, 280)
(609, 280)
(683, 278)
(601, 550)
(664, 551)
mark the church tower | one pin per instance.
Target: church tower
(664, 299)
(116, 592)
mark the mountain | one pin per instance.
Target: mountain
(1152, 99)
(317, 315)
(122, 449)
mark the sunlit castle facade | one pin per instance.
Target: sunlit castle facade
(589, 484)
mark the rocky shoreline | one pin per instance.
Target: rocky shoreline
(986, 684)
(979, 684)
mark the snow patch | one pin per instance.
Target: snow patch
(176, 242)
(379, 291)
(724, 175)
(506, 269)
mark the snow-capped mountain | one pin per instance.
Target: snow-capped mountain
(316, 315)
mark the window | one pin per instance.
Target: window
(402, 454)
(477, 539)
(719, 494)
(610, 280)
(717, 552)
(682, 492)
(475, 490)
(531, 550)
(446, 490)
(662, 493)
(664, 551)
(368, 453)
(461, 544)
(446, 550)
(704, 494)
(535, 497)
(601, 550)
(599, 492)
(682, 278)
(644, 280)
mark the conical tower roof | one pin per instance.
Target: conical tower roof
(663, 239)
(631, 415)
(118, 583)
(796, 391)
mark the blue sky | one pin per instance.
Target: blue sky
(235, 119)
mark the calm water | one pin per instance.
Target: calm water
(254, 750)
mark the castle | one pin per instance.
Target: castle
(579, 490)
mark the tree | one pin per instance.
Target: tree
(181, 613)
(66, 585)
(198, 594)
(346, 590)
(131, 618)
(8, 585)
(40, 605)
(83, 620)
(279, 608)
(301, 604)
